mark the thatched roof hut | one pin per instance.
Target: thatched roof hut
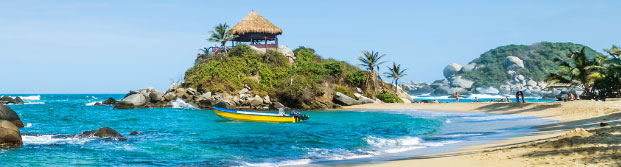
(256, 30)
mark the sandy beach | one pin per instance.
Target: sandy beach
(554, 144)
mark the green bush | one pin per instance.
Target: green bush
(356, 78)
(241, 50)
(389, 98)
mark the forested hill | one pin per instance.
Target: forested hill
(538, 61)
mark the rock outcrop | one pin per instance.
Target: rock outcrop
(104, 132)
(343, 99)
(8, 114)
(451, 70)
(10, 100)
(9, 134)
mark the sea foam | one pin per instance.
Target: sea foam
(178, 103)
(52, 139)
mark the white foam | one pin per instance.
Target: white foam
(51, 139)
(38, 102)
(35, 97)
(28, 125)
(281, 163)
(91, 103)
(493, 117)
(402, 144)
(178, 103)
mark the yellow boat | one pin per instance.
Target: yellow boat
(258, 116)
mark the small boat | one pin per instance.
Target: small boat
(260, 116)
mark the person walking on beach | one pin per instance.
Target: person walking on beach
(457, 97)
(522, 95)
(476, 99)
(517, 97)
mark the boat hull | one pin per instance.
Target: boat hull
(254, 118)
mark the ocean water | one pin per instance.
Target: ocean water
(184, 135)
(481, 98)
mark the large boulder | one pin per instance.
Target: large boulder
(343, 99)
(284, 50)
(441, 90)
(132, 101)
(18, 100)
(513, 63)
(171, 95)
(156, 96)
(8, 114)
(469, 67)
(489, 90)
(451, 69)
(439, 83)
(461, 82)
(276, 105)
(9, 134)
(6, 100)
(256, 101)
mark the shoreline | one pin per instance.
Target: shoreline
(570, 115)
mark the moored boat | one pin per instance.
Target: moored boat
(259, 116)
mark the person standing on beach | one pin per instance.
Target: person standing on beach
(476, 99)
(522, 95)
(517, 97)
(457, 97)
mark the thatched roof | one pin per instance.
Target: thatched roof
(255, 23)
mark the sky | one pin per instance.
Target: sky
(114, 46)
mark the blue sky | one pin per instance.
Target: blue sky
(114, 46)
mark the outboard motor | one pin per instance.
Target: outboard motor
(299, 116)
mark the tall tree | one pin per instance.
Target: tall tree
(221, 34)
(371, 60)
(577, 70)
(395, 73)
(610, 85)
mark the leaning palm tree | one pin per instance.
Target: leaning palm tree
(221, 34)
(577, 70)
(395, 73)
(371, 60)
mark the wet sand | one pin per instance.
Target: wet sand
(542, 148)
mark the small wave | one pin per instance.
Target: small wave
(92, 103)
(52, 139)
(281, 163)
(403, 144)
(494, 117)
(34, 97)
(37, 102)
(459, 135)
(178, 103)
(28, 125)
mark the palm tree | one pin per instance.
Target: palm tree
(371, 60)
(221, 34)
(577, 70)
(396, 73)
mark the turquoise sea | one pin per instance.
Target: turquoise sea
(186, 136)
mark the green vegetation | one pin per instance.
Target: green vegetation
(371, 61)
(221, 34)
(577, 70)
(538, 61)
(395, 73)
(270, 73)
(389, 98)
(610, 85)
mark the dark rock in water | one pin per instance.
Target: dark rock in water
(9, 134)
(6, 100)
(122, 139)
(8, 114)
(99, 104)
(109, 101)
(101, 132)
(602, 124)
(18, 100)
(107, 132)
(133, 133)
(343, 99)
